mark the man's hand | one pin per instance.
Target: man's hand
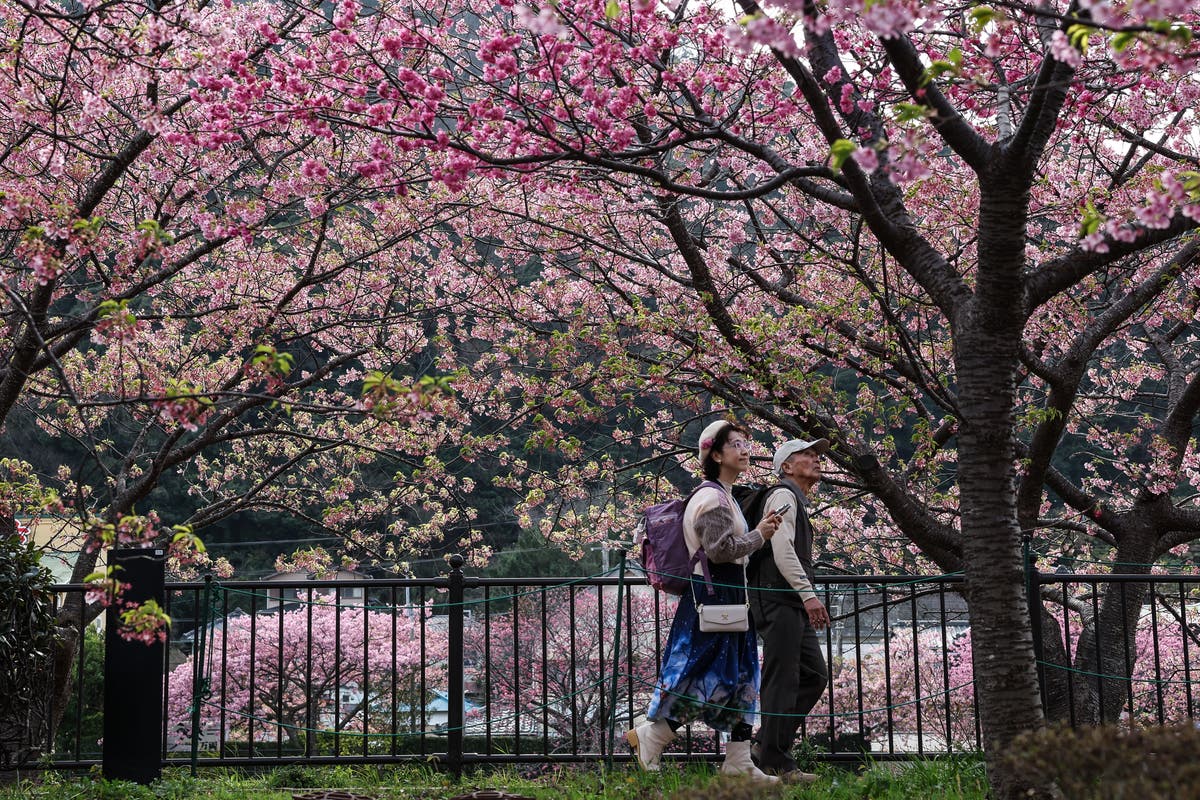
(818, 617)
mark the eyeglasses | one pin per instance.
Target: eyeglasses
(745, 445)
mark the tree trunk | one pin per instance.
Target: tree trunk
(1006, 684)
(987, 338)
(1057, 686)
(73, 617)
(1107, 648)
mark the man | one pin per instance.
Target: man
(788, 612)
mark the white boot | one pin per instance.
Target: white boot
(737, 762)
(648, 741)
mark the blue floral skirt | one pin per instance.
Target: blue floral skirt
(708, 677)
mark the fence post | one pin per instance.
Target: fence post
(455, 716)
(616, 665)
(1033, 594)
(199, 676)
(133, 676)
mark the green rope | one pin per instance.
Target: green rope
(494, 599)
(1129, 678)
(788, 714)
(534, 709)
(538, 708)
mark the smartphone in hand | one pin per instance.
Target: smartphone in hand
(783, 509)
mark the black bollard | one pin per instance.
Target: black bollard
(133, 676)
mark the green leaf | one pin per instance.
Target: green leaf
(612, 9)
(110, 307)
(1092, 220)
(1181, 33)
(1191, 183)
(1122, 40)
(938, 68)
(980, 17)
(907, 112)
(839, 151)
(1079, 35)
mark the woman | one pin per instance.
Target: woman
(711, 677)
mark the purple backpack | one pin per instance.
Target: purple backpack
(664, 551)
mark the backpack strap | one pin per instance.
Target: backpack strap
(700, 556)
(758, 556)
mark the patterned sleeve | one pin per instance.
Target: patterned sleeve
(721, 536)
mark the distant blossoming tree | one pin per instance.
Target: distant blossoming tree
(289, 675)
(546, 664)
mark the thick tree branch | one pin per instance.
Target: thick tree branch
(1053, 277)
(963, 139)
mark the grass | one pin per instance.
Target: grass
(953, 779)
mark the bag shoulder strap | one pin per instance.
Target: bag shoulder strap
(700, 554)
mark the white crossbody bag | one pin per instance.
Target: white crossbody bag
(726, 617)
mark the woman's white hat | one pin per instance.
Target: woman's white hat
(709, 435)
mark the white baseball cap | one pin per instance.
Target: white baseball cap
(793, 446)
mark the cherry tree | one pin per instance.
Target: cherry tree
(913, 684)
(205, 277)
(953, 238)
(287, 675)
(922, 681)
(547, 663)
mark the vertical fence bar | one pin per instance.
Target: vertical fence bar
(1101, 667)
(200, 643)
(1066, 634)
(310, 698)
(858, 664)
(280, 667)
(574, 674)
(833, 746)
(1033, 597)
(455, 715)
(1127, 636)
(1185, 637)
(394, 677)
(946, 698)
(79, 673)
(337, 671)
(889, 696)
(1158, 675)
(545, 675)
(918, 701)
(616, 660)
(252, 682)
(423, 624)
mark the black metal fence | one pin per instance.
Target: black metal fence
(460, 670)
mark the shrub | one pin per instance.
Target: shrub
(1110, 763)
(26, 641)
(731, 787)
(294, 776)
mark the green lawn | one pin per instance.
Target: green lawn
(958, 779)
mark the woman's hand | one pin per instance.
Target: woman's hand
(768, 526)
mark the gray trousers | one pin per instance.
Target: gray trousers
(794, 677)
